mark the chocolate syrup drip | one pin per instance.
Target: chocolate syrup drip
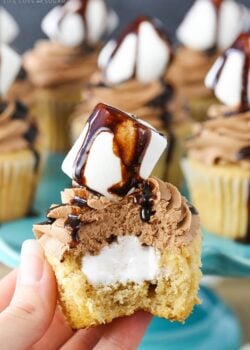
(109, 119)
(162, 99)
(145, 198)
(133, 28)
(49, 221)
(56, 207)
(73, 222)
(111, 239)
(243, 153)
(3, 106)
(78, 201)
(21, 111)
(192, 209)
(241, 44)
(31, 136)
(22, 74)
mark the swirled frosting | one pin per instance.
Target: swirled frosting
(17, 131)
(86, 222)
(50, 64)
(188, 71)
(223, 139)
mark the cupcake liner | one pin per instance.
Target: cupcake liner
(221, 194)
(18, 182)
(52, 111)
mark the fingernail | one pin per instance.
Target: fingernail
(32, 262)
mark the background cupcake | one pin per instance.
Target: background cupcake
(58, 67)
(209, 27)
(130, 77)
(20, 147)
(218, 163)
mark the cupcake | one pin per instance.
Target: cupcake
(121, 241)
(21, 151)
(209, 27)
(217, 167)
(60, 66)
(130, 76)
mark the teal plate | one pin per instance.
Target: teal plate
(220, 256)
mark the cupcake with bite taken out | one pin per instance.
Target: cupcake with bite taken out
(21, 151)
(59, 67)
(217, 166)
(209, 27)
(121, 241)
(130, 74)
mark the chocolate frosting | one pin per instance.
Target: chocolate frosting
(50, 64)
(223, 139)
(98, 221)
(188, 71)
(17, 130)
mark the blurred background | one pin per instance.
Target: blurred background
(29, 13)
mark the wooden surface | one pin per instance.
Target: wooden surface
(235, 292)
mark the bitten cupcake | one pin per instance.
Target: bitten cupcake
(218, 164)
(130, 76)
(59, 67)
(209, 27)
(121, 241)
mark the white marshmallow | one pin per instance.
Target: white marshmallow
(9, 27)
(229, 85)
(153, 54)
(198, 29)
(122, 65)
(10, 64)
(144, 53)
(64, 25)
(201, 29)
(103, 167)
(123, 261)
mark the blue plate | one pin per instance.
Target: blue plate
(220, 256)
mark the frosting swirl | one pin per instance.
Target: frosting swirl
(188, 71)
(224, 138)
(50, 64)
(99, 221)
(17, 131)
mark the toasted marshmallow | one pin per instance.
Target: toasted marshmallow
(114, 152)
(229, 74)
(143, 51)
(73, 23)
(206, 25)
(121, 262)
(10, 64)
(8, 27)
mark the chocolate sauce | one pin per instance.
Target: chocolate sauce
(3, 106)
(145, 198)
(22, 74)
(78, 201)
(73, 222)
(31, 136)
(192, 209)
(111, 239)
(243, 153)
(162, 99)
(110, 119)
(49, 221)
(21, 111)
(133, 28)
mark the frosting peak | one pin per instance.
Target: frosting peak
(79, 22)
(143, 51)
(229, 77)
(213, 24)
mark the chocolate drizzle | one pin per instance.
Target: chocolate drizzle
(146, 198)
(73, 223)
(243, 153)
(133, 28)
(129, 148)
(79, 202)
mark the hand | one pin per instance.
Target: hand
(30, 318)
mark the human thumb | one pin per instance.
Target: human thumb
(33, 305)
